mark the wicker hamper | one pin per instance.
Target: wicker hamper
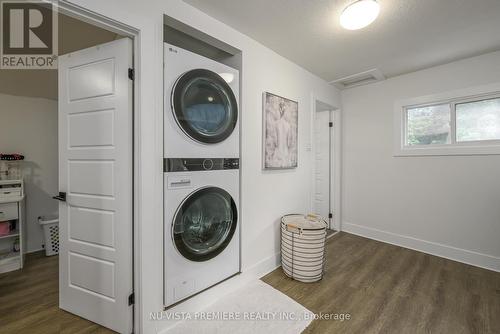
(303, 247)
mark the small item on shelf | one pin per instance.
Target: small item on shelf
(4, 170)
(9, 166)
(14, 171)
(17, 246)
(4, 228)
(11, 156)
(4, 253)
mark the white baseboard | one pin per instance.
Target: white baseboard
(34, 251)
(264, 266)
(457, 254)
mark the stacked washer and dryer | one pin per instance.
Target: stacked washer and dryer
(201, 174)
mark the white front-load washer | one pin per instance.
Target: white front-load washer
(201, 118)
(202, 238)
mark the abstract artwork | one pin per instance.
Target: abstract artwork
(281, 118)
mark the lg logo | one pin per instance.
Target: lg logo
(29, 38)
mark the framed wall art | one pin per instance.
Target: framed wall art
(280, 132)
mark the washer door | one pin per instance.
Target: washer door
(204, 224)
(204, 106)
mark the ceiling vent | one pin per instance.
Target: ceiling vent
(359, 79)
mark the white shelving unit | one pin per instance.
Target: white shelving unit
(12, 210)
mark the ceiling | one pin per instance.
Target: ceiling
(73, 35)
(407, 36)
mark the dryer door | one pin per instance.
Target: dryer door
(204, 224)
(204, 106)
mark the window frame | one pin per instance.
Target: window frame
(405, 126)
(485, 97)
(475, 147)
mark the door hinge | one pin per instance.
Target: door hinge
(330, 124)
(330, 215)
(131, 299)
(131, 74)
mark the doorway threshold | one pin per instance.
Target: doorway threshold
(330, 233)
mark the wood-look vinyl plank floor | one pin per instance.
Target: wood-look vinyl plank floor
(385, 289)
(29, 300)
(390, 289)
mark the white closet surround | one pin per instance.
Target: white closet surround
(266, 195)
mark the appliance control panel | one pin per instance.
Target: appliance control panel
(231, 163)
(199, 164)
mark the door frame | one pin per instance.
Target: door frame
(335, 168)
(82, 14)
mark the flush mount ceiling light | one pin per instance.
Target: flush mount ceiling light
(359, 14)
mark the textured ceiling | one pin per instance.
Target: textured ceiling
(73, 35)
(407, 36)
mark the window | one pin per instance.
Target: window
(478, 120)
(428, 125)
(449, 126)
(473, 119)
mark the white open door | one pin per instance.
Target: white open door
(322, 158)
(95, 173)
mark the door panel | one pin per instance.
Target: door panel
(95, 169)
(92, 275)
(92, 226)
(92, 79)
(322, 164)
(91, 177)
(94, 128)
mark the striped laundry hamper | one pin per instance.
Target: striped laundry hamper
(303, 247)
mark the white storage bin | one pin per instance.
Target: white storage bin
(50, 227)
(303, 247)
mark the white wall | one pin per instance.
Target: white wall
(29, 126)
(265, 195)
(446, 205)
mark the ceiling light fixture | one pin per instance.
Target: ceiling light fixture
(359, 14)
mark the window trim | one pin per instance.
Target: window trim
(483, 97)
(478, 147)
(405, 124)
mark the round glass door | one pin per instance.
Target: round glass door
(204, 106)
(204, 224)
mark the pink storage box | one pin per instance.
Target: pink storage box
(4, 228)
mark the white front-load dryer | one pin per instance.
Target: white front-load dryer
(202, 238)
(201, 118)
